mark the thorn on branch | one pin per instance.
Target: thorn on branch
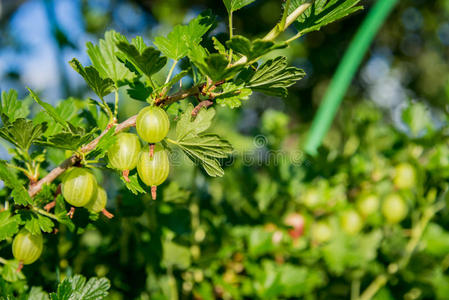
(205, 103)
(71, 212)
(50, 205)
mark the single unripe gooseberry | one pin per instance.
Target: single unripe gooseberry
(321, 232)
(404, 176)
(153, 170)
(27, 247)
(152, 124)
(351, 222)
(394, 208)
(124, 152)
(367, 204)
(78, 186)
(98, 202)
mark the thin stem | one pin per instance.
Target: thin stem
(374, 287)
(18, 168)
(355, 289)
(288, 21)
(230, 34)
(171, 71)
(284, 15)
(296, 36)
(3, 261)
(171, 141)
(116, 104)
(45, 213)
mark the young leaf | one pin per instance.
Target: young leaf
(23, 133)
(182, 37)
(35, 223)
(133, 185)
(232, 95)
(76, 288)
(205, 150)
(69, 140)
(215, 65)
(273, 77)
(219, 46)
(37, 293)
(9, 225)
(103, 145)
(174, 79)
(147, 62)
(67, 110)
(186, 127)
(138, 91)
(322, 12)
(202, 149)
(11, 107)
(100, 86)
(19, 193)
(233, 5)
(49, 109)
(9, 271)
(255, 49)
(105, 61)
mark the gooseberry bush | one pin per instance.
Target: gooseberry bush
(343, 224)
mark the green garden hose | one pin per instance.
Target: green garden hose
(345, 72)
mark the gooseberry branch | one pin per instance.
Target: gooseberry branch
(130, 122)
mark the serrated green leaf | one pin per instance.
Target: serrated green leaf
(273, 77)
(105, 61)
(232, 95)
(134, 185)
(233, 5)
(9, 225)
(12, 108)
(182, 37)
(174, 79)
(188, 127)
(36, 293)
(215, 65)
(69, 140)
(139, 43)
(76, 288)
(219, 46)
(9, 271)
(202, 149)
(19, 193)
(138, 91)
(67, 110)
(23, 133)
(322, 12)
(35, 223)
(100, 86)
(49, 109)
(253, 49)
(147, 62)
(103, 145)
